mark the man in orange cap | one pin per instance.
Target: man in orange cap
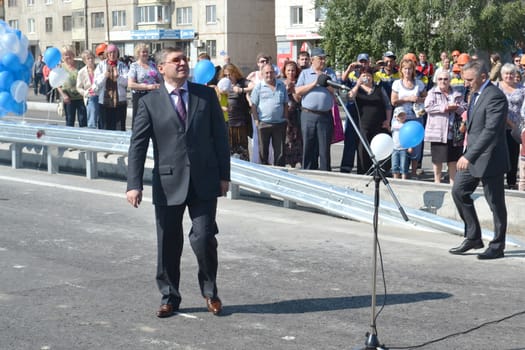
(100, 51)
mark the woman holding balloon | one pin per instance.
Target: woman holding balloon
(444, 108)
(410, 93)
(72, 99)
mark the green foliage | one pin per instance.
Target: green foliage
(374, 26)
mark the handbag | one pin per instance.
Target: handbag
(338, 134)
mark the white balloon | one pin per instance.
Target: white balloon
(382, 146)
(19, 90)
(224, 85)
(57, 77)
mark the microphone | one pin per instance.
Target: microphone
(325, 80)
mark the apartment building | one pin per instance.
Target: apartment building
(235, 28)
(297, 25)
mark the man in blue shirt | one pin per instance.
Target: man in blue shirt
(270, 113)
(316, 113)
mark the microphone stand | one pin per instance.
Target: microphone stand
(372, 341)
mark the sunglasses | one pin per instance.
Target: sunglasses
(442, 79)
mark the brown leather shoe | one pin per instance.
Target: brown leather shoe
(165, 310)
(214, 305)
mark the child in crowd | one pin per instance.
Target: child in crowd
(400, 154)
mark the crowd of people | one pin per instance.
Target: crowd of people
(288, 116)
(95, 96)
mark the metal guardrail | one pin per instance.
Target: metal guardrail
(333, 199)
(290, 188)
(56, 138)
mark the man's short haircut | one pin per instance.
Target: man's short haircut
(304, 53)
(262, 55)
(478, 66)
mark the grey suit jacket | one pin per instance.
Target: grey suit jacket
(487, 149)
(197, 150)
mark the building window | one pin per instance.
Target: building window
(119, 18)
(49, 24)
(211, 14)
(30, 2)
(78, 19)
(13, 23)
(211, 48)
(11, 3)
(66, 23)
(31, 28)
(320, 14)
(296, 15)
(154, 14)
(97, 20)
(184, 15)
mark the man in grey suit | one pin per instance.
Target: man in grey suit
(485, 159)
(191, 169)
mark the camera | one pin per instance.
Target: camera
(358, 66)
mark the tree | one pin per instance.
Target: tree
(354, 26)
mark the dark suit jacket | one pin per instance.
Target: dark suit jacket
(487, 149)
(199, 151)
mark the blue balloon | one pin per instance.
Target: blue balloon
(411, 134)
(30, 60)
(19, 108)
(11, 61)
(52, 57)
(7, 103)
(6, 79)
(203, 72)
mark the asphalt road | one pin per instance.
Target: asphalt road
(77, 267)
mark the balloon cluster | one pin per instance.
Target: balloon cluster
(58, 75)
(16, 64)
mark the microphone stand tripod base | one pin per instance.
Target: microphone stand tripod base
(372, 343)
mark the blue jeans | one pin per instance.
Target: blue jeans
(400, 161)
(75, 107)
(93, 112)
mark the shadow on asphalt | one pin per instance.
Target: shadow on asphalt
(300, 306)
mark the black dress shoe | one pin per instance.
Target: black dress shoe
(491, 254)
(467, 245)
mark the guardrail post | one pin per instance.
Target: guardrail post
(16, 155)
(52, 159)
(289, 204)
(91, 165)
(234, 192)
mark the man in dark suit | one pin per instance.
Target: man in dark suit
(485, 159)
(192, 169)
